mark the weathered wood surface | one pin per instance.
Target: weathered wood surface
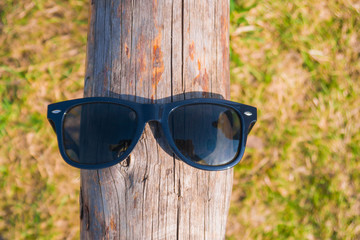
(156, 51)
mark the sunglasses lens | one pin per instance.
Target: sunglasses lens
(206, 134)
(97, 133)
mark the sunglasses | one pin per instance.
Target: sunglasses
(98, 132)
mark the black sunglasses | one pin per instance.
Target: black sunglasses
(99, 132)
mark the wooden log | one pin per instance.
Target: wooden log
(152, 52)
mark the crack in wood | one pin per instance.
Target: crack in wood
(102, 197)
(87, 217)
(114, 225)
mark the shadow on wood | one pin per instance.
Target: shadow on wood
(154, 52)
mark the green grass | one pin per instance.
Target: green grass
(297, 61)
(41, 61)
(299, 65)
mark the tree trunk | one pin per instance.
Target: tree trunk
(151, 52)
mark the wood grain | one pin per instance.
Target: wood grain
(152, 52)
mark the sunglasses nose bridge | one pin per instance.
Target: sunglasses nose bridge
(152, 112)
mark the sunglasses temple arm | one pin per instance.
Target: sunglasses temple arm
(252, 118)
(52, 125)
(251, 126)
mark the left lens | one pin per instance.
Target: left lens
(205, 133)
(97, 133)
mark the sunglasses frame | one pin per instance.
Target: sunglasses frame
(152, 112)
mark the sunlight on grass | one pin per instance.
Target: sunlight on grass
(41, 61)
(297, 61)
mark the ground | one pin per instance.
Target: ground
(297, 61)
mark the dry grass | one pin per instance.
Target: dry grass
(42, 61)
(297, 61)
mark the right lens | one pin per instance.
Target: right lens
(96, 133)
(207, 134)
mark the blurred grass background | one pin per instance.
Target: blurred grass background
(297, 61)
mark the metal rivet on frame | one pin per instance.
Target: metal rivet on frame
(247, 113)
(56, 111)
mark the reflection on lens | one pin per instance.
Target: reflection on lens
(96, 133)
(206, 134)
